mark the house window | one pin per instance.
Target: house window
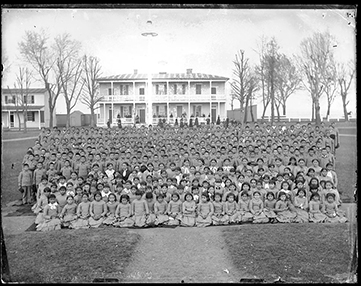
(157, 110)
(198, 89)
(157, 89)
(213, 90)
(42, 117)
(110, 91)
(6, 99)
(126, 89)
(30, 116)
(165, 89)
(141, 90)
(175, 88)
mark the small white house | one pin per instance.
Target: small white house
(14, 103)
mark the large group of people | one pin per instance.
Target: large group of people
(81, 177)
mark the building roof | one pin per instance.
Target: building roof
(165, 76)
(18, 90)
(13, 108)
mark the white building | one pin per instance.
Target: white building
(38, 114)
(172, 95)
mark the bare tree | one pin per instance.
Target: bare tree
(260, 71)
(316, 56)
(330, 83)
(90, 95)
(288, 80)
(23, 82)
(242, 81)
(36, 52)
(345, 75)
(252, 87)
(69, 70)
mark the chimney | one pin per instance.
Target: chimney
(135, 71)
(189, 71)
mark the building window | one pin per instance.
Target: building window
(174, 88)
(183, 88)
(126, 89)
(141, 90)
(198, 89)
(157, 89)
(42, 120)
(157, 110)
(30, 116)
(213, 90)
(109, 91)
(165, 89)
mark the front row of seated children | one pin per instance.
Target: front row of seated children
(153, 210)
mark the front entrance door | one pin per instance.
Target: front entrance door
(11, 120)
(142, 115)
(214, 115)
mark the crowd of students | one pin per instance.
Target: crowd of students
(192, 176)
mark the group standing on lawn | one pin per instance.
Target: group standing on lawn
(191, 176)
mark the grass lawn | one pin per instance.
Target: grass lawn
(16, 134)
(69, 255)
(298, 253)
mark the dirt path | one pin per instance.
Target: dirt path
(168, 255)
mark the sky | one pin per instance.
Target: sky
(205, 40)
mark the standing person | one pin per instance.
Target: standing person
(160, 211)
(83, 213)
(282, 209)
(174, 210)
(98, 210)
(68, 214)
(25, 181)
(301, 206)
(189, 211)
(38, 174)
(123, 212)
(112, 206)
(256, 207)
(139, 210)
(205, 211)
(51, 216)
(315, 214)
(219, 216)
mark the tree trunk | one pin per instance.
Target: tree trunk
(264, 110)
(344, 106)
(92, 117)
(68, 116)
(251, 111)
(278, 113)
(313, 110)
(284, 109)
(18, 115)
(246, 111)
(317, 111)
(25, 119)
(328, 110)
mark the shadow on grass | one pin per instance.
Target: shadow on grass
(65, 256)
(307, 253)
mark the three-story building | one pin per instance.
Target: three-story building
(171, 96)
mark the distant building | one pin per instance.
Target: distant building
(38, 114)
(172, 95)
(77, 118)
(238, 115)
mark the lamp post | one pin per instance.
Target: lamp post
(149, 35)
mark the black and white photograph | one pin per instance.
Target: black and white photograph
(179, 143)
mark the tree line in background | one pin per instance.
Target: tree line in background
(59, 65)
(277, 76)
(63, 71)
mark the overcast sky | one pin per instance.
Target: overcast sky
(205, 40)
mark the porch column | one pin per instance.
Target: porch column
(9, 119)
(112, 87)
(112, 111)
(39, 119)
(104, 115)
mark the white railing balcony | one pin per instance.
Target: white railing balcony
(165, 98)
